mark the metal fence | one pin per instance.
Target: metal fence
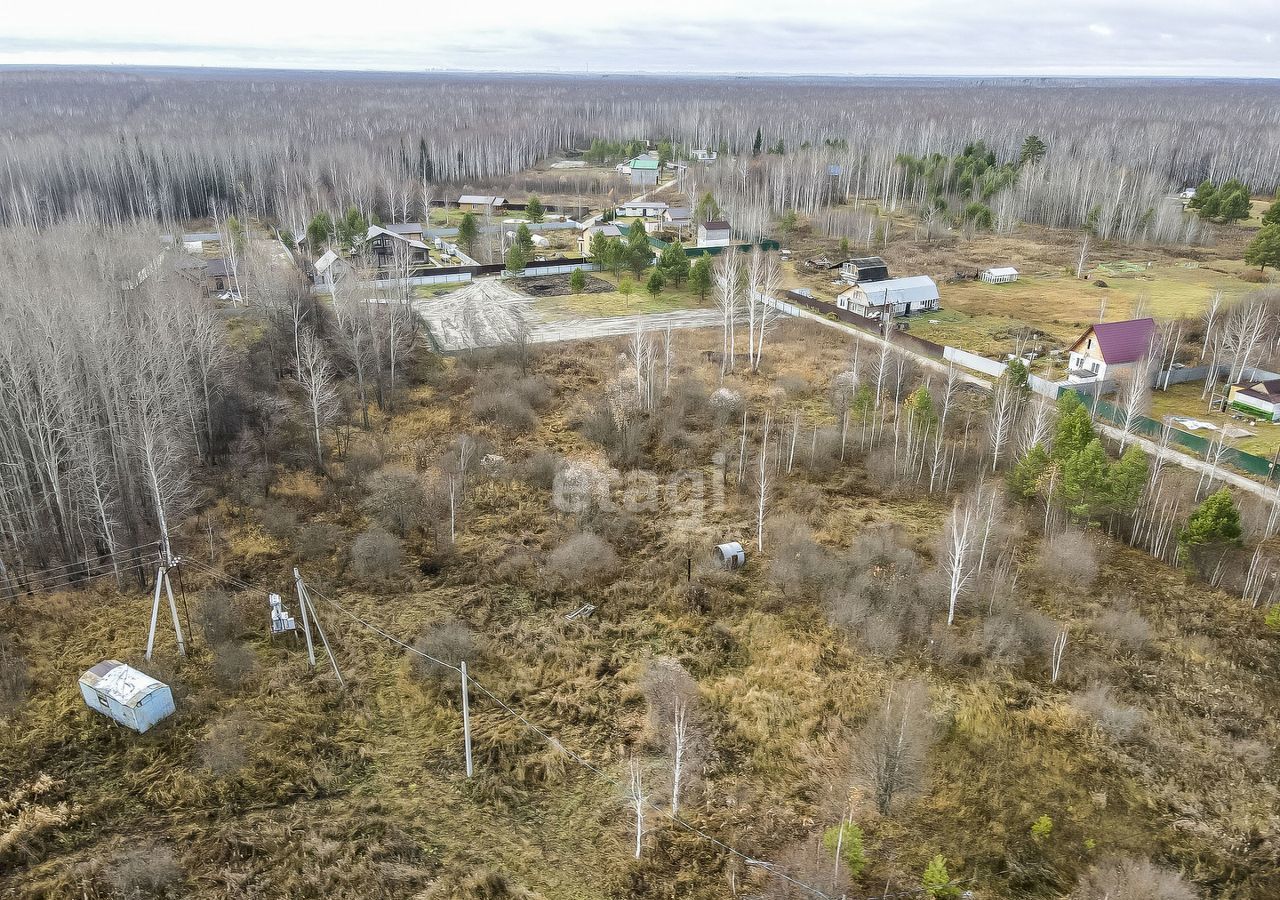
(1192, 443)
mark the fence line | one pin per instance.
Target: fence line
(1198, 446)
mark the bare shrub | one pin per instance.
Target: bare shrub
(233, 663)
(376, 554)
(892, 747)
(1119, 720)
(1132, 879)
(278, 520)
(515, 566)
(396, 499)
(666, 684)
(539, 470)
(225, 747)
(219, 617)
(500, 404)
(1124, 626)
(800, 566)
(726, 404)
(317, 541)
(145, 872)
(585, 557)
(450, 642)
(1009, 636)
(794, 386)
(1068, 558)
(15, 679)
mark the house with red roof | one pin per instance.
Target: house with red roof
(1111, 350)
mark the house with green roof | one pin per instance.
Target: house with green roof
(644, 170)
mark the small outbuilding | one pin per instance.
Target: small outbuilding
(730, 555)
(999, 275)
(714, 233)
(644, 170)
(863, 269)
(132, 698)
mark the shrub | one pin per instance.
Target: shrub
(1118, 720)
(1131, 879)
(450, 642)
(376, 554)
(1124, 627)
(936, 882)
(317, 541)
(395, 499)
(1068, 558)
(1041, 828)
(511, 411)
(584, 557)
(539, 470)
(1273, 617)
(278, 521)
(848, 837)
(219, 618)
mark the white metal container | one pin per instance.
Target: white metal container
(132, 698)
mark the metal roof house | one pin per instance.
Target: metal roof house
(644, 170)
(480, 203)
(645, 209)
(999, 275)
(385, 244)
(904, 296)
(865, 268)
(132, 698)
(1256, 398)
(1110, 349)
(714, 233)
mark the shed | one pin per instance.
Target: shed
(644, 170)
(999, 275)
(863, 269)
(480, 203)
(132, 698)
(715, 232)
(730, 555)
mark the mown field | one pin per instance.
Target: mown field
(272, 781)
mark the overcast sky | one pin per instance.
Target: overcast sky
(884, 37)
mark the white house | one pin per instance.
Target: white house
(714, 233)
(1110, 350)
(704, 155)
(645, 209)
(608, 229)
(120, 692)
(1257, 398)
(999, 275)
(905, 296)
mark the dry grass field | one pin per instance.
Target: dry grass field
(271, 781)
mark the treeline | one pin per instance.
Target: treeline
(98, 146)
(119, 381)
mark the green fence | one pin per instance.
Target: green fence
(1192, 443)
(661, 245)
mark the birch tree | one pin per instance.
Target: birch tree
(318, 382)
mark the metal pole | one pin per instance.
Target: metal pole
(155, 613)
(306, 620)
(333, 660)
(173, 608)
(466, 719)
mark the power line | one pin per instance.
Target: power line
(556, 744)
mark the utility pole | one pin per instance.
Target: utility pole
(466, 719)
(309, 613)
(162, 581)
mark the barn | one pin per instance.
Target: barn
(120, 692)
(865, 268)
